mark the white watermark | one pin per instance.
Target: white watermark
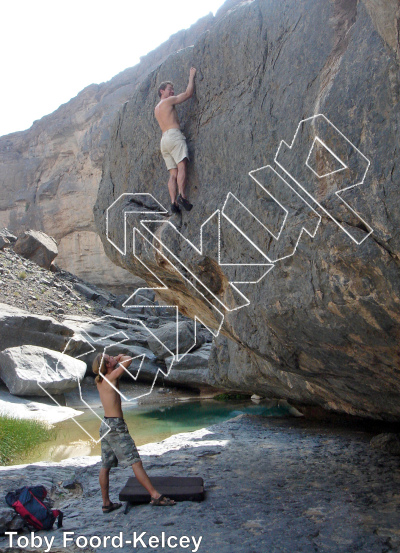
(138, 540)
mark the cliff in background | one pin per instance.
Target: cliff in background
(50, 173)
(323, 326)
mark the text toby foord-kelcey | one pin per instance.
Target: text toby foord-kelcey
(138, 540)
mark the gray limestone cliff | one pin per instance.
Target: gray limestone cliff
(323, 325)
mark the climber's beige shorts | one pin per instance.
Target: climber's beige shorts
(173, 147)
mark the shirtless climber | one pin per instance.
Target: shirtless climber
(173, 143)
(117, 445)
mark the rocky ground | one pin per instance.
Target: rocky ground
(272, 485)
(28, 286)
(60, 294)
(80, 317)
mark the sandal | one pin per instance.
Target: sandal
(111, 507)
(162, 501)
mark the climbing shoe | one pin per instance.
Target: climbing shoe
(184, 203)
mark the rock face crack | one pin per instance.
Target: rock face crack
(344, 17)
(380, 243)
(385, 247)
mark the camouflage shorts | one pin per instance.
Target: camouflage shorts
(117, 446)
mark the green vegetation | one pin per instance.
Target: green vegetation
(19, 436)
(229, 396)
(22, 275)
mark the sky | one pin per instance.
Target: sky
(51, 50)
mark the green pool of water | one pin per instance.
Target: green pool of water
(146, 424)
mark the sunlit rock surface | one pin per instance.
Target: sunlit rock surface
(35, 371)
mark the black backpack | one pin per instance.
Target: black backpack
(28, 502)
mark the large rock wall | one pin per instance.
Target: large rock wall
(322, 326)
(50, 173)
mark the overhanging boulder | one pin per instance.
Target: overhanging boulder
(323, 326)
